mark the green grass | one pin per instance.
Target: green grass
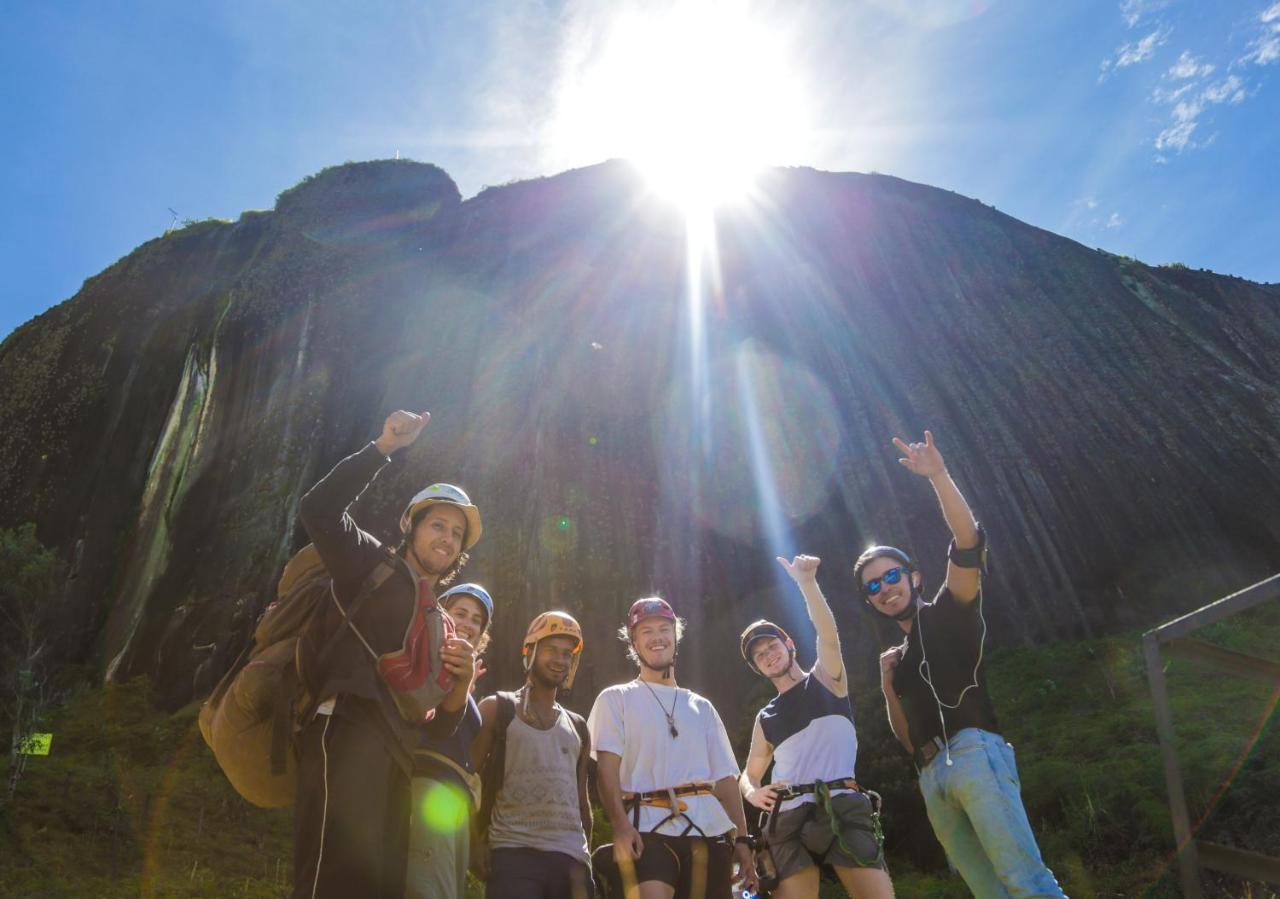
(131, 803)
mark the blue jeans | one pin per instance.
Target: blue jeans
(975, 807)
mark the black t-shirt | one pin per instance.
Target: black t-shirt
(949, 635)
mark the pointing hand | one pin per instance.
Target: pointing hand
(921, 458)
(803, 569)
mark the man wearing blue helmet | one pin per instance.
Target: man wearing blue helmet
(936, 696)
(445, 786)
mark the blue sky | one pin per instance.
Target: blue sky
(1145, 127)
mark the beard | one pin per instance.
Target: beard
(545, 678)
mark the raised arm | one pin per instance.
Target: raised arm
(349, 553)
(925, 460)
(804, 571)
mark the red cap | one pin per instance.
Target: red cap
(653, 607)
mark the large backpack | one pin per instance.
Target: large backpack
(495, 768)
(250, 718)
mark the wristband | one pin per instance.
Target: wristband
(749, 841)
(974, 557)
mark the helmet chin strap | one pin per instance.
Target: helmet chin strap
(665, 669)
(912, 609)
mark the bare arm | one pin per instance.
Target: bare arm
(889, 660)
(627, 842)
(804, 571)
(483, 742)
(726, 790)
(758, 759)
(925, 460)
(584, 798)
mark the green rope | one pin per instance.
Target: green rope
(823, 795)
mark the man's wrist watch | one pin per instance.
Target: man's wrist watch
(747, 841)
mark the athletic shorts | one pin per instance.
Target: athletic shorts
(694, 866)
(803, 837)
(536, 874)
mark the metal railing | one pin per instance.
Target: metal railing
(1194, 854)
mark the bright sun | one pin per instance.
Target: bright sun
(699, 95)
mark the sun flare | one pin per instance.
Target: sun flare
(699, 96)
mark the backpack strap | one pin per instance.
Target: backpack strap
(495, 768)
(372, 582)
(580, 725)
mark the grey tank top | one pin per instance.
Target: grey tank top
(537, 807)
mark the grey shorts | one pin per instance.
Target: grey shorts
(804, 838)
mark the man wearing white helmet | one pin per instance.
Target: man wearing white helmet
(815, 811)
(446, 787)
(535, 818)
(355, 754)
(667, 776)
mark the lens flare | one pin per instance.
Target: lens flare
(445, 808)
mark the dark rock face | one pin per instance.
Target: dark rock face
(1113, 424)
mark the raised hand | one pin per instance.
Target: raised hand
(803, 569)
(889, 660)
(400, 429)
(459, 659)
(921, 458)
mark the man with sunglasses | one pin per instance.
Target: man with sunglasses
(939, 710)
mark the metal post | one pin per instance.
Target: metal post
(1188, 862)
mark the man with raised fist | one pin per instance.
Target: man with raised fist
(400, 665)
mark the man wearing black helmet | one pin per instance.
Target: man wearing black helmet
(816, 813)
(939, 710)
(351, 818)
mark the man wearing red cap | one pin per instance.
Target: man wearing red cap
(667, 775)
(355, 754)
(816, 813)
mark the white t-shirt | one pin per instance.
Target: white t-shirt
(630, 721)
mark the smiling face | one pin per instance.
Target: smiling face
(771, 656)
(437, 539)
(891, 599)
(468, 616)
(553, 660)
(654, 640)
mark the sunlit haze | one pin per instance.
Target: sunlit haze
(699, 96)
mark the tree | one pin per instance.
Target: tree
(30, 576)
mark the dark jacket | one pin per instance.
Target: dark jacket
(350, 555)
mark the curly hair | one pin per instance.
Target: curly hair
(625, 636)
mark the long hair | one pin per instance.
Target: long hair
(451, 573)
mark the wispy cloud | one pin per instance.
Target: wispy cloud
(1264, 49)
(1189, 105)
(1188, 66)
(1135, 52)
(1115, 221)
(1135, 11)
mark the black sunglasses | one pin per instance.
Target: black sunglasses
(890, 577)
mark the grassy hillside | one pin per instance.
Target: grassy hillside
(130, 802)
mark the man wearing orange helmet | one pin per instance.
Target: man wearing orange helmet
(667, 775)
(535, 816)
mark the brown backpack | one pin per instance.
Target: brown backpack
(251, 716)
